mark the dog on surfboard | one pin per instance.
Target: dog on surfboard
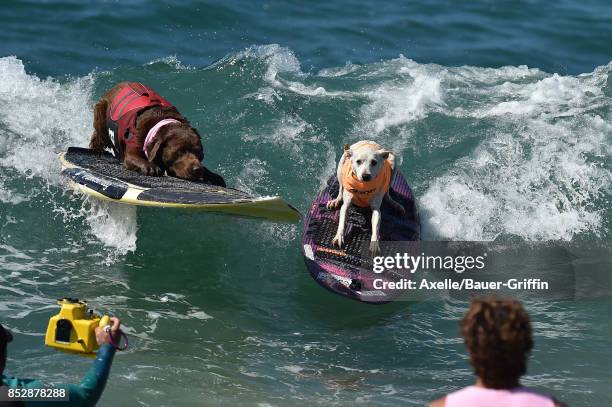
(148, 134)
(364, 172)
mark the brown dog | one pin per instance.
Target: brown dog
(148, 134)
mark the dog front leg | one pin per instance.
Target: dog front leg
(137, 163)
(100, 139)
(374, 246)
(339, 238)
(375, 205)
(334, 203)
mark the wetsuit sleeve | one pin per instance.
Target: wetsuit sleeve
(88, 392)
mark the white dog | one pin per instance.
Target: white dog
(365, 172)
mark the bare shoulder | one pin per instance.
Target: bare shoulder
(560, 404)
(439, 402)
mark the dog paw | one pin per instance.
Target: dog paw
(338, 240)
(333, 203)
(374, 247)
(151, 170)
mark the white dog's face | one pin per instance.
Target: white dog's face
(367, 162)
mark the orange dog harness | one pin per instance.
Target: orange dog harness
(363, 191)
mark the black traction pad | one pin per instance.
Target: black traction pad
(105, 174)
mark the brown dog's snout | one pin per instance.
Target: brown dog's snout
(197, 172)
(187, 167)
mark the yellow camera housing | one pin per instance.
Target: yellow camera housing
(73, 329)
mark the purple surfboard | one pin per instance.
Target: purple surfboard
(349, 271)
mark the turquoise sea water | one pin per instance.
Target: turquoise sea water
(500, 116)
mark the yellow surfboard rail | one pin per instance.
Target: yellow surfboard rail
(273, 208)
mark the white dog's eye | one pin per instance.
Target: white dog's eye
(373, 162)
(359, 162)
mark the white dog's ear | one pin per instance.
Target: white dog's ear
(347, 151)
(384, 153)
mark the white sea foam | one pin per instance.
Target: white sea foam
(191, 314)
(392, 105)
(277, 58)
(413, 92)
(198, 314)
(338, 72)
(280, 60)
(291, 134)
(172, 61)
(253, 175)
(266, 93)
(320, 91)
(292, 369)
(538, 173)
(115, 225)
(557, 95)
(10, 197)
(40, 118)
(280, 235)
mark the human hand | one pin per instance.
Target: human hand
(103, 335)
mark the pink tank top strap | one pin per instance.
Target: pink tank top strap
(473, 396)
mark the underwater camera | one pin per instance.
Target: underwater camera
(73, 329)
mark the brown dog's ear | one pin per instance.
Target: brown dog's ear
(159, 140)
(201, 157)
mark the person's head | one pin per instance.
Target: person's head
(5, 338)
(497, 333)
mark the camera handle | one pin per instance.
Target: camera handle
(115, 342)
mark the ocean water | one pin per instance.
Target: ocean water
(499, 113)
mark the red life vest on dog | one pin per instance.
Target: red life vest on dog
(131, 99)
